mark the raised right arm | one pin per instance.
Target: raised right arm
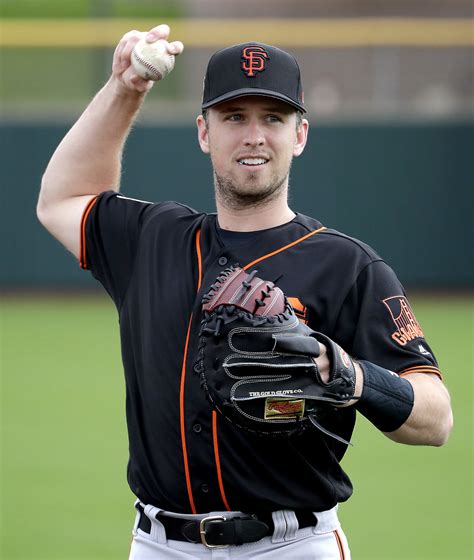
(88, 159)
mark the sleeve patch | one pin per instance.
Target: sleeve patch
(407, 327)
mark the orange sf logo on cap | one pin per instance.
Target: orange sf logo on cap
(253, 60)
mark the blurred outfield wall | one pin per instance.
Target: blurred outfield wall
(403, 188)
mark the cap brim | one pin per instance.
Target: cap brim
(245, 92)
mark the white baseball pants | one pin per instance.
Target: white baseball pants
(325, 541)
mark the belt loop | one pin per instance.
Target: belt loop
(328, 521)
(137, 521)
(291, 524)
(280, 526)
(137, 517)
(158, 533)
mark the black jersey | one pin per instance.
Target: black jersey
(156, 261)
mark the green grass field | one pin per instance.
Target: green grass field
(64, 494)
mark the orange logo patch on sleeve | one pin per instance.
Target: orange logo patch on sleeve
(253, 60)
(402, 315)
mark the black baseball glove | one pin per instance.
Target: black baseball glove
(256, 359)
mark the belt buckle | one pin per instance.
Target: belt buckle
(202, 531)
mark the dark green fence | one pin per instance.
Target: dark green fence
(403, 188)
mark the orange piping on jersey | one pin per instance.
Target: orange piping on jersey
(199, 258)
(82, 242)
(284, 248)
(421, 369)
(181, 419)
(218, 462)
(339, 545)
(182, 384)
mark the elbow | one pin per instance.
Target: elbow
(438, 432)
(40, 212)
(445, 423)
(435, 416)
(42, 207)
(434, 433)
(444, 430)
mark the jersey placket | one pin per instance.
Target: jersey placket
(210, 494)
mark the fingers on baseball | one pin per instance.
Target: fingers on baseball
(122, 55)
(159, 32)
(126, 44)
(175, 47)
(126, 53)
(136, 82)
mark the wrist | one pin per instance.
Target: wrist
(386, 399)
(359, 381)
(358, 385)
(122, 92)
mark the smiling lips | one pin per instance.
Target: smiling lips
(253, 161)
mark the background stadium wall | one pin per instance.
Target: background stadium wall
(410, 180)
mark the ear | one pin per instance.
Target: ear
(203, 134)
(301, 138)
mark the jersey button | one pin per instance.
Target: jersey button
(222, 261)
(197, 428)
(204, 488)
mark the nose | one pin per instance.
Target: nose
(254, 134)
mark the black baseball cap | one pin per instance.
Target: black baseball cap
(252, 69)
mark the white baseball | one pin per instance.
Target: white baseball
(151, 60)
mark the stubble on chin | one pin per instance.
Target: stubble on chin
(235, 198)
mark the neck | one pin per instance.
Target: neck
(254, 218)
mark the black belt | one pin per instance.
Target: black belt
(215, 531)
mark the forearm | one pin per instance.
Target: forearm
(431, 419)
(88, 159)
(414, 409)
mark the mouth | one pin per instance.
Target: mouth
(253, 161)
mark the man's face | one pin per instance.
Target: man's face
(252, 141)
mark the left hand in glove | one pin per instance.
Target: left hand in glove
(257, 360)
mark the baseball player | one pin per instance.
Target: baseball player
(227, 460)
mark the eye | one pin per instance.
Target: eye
(273, 118)
(235, 117)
